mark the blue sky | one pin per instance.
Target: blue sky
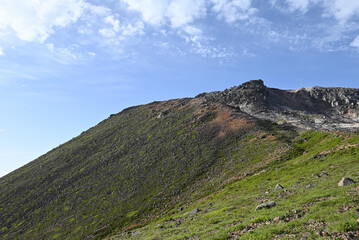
(65, 65)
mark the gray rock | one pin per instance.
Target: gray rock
(316, 175)
(195, 210)
(345, 182)
(265, 205)
(278, 187)
(276, 219)
(136, 233)
(324, 174)
(308, 108)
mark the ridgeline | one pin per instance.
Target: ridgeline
(249, 162)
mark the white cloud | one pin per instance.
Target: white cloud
(96, 10)
(1, 52)
(355, 42)
(178, 12)
(92, 54)
(298, 5)
(292, 5)
(118, 32)
(193, 35)
(35, 20)
(134, 29)
(182, 12)
(50, 46)
(233, 10)
(194, 31)
(2, 130)
(114, 22)
(202, 45)
(342, 10)
(152, 11)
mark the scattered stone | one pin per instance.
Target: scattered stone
(278, 187)
(324, 174)
(276, 219)
(265, 205)
(345, 182)
(310, 186)
(357, 211)
(316, 175)
(180, 209)
(136, 233)
(193, 211)
(306, 235)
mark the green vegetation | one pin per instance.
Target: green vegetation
(309, 204)
(145, 169)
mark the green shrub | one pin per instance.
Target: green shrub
(260, 219)
(347, 226)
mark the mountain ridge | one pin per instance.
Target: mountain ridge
(307, 108)
(140, 166)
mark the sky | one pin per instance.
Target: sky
(66, 65)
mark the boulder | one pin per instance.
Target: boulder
(265, 205)
(136, 233)
(278, 187)
(195, 210)
(345, 182)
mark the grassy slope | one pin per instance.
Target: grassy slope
(307, 206)
(136, 169)
(127, 168)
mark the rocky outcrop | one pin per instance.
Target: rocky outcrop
(345, 182)
(307, 108)
(265, 205)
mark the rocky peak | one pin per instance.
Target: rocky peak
(308, 108)
(253, 84)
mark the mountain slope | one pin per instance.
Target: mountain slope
(139, 166)
(309, 202)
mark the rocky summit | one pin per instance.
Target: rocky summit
(306, 108)
(249, 162)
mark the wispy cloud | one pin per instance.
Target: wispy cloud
(341, 10)
(233, 10)
(84, 27)
(355, 42)
(291, 6)
(177, 12)
(33, 20)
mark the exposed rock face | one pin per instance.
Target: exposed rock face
(308, 108)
